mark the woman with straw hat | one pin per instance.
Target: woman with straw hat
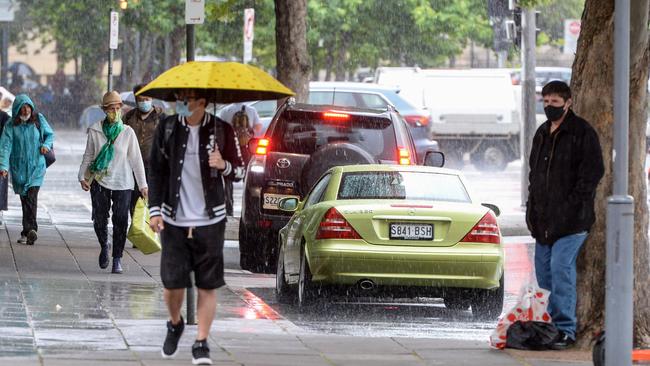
(111, 160)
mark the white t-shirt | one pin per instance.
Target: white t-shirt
(191, 204)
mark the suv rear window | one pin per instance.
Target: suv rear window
(305, 132)
(402, 185)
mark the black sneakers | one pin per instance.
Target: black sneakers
(103, 257)
(31, 237)
(174, 333)
(201, 353)
(562, 342)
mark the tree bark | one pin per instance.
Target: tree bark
(592, 86)
(293, 64)
(341, 57)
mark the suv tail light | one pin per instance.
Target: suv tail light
(404, 156)
(417, 120)
(336, 116)
(485, 231)
(262, 147)
(335, 226)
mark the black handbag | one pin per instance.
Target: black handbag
(50, 157)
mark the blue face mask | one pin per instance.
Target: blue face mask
(145, 106)
(183, 108)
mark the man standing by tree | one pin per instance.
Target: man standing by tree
(566, 165)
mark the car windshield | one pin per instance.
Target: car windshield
(301, 133)
(403, 185)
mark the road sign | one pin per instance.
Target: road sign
(249, 33)
(114, 30)
(7, 10)
(194, 11)
(571, 34)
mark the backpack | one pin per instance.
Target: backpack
(242, 127)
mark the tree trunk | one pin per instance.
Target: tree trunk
(341, 57)
(292, 58)
(592, 84)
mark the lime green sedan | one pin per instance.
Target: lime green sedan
(412, 229)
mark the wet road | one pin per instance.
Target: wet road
(54, 298)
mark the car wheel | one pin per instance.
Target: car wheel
(306, 289)
(457, 303)
(284, 293)
(488, 304)
(492, 158)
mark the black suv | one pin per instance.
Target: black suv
(302, 142)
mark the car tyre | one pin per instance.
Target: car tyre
(284, 293)
(306, 290)
(488, 304)
(492, 159)
(457, 303)
(249, 259)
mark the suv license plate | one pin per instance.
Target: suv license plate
(411, 231)
(272, 200)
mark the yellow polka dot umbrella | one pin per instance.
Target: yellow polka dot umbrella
(225, 82)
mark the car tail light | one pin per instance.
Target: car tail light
(485, 231)
(335, 226)
(336, 116)
(404, 156)
(262, 147)
(417, 120)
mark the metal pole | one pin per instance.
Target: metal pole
(110, 56)
(528, 61)
(4, 66)
(191, 302)
(620, 208)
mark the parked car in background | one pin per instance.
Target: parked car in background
(302, 142)
(373, 96)
(474, 112)
(377, 229)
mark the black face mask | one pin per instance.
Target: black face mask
(553, 113)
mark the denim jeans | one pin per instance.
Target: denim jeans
(555, 267)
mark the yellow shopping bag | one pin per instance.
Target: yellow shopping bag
(140, 234)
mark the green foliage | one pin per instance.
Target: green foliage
(553, 14)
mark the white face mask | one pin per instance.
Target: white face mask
(24, 118)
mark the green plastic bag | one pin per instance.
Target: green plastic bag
(140, 234)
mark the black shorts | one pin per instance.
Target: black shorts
(202, 254)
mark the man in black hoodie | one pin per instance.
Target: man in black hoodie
(566, 165)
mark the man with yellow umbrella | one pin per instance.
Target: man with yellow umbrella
(193, 152)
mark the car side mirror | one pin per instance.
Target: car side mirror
(252, 145)
(434, 159)
(288, 204)
(492, 207)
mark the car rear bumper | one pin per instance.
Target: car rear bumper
(464, 265)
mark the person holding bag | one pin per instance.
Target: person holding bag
(26, 138)
(111, 161)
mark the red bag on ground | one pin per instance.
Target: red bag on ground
(532, 305)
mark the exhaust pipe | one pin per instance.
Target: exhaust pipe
(366, 285)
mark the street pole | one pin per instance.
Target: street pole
(110, 55)
(528, 46)
(4, 66)
(620, 208)
(191, 300)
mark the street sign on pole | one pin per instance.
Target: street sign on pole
(249, 33)
(7, 10)
(114, 30)
(194, 11)
(571, 34)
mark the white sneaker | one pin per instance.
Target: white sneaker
(22, 240)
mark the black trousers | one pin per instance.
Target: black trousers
(105, 200)
(30, 206)
(228, 188)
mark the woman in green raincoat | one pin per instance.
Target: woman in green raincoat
(25, 139)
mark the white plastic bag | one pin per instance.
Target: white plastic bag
(532, 305)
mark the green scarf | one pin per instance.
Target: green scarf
(99, 166)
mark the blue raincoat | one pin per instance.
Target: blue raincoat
(20, 148)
